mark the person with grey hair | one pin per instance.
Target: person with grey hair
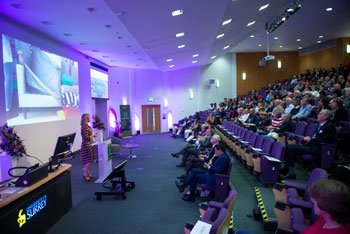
(325, 132)
(289, 105)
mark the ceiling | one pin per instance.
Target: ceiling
(141, 34)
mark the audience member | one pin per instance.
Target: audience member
(325, 132)
(331, 199)
(205, 176)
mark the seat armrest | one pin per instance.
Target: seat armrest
(298, 186)
(215, 204)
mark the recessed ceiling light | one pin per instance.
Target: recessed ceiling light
(46, 22)
(329, 9)
(284, 19)
(276, 38)
(181, 34)
(177, 12)
(226, 47)
(259, 45)
(181, 46)
(319, 42)
(251, 36)
(300, 48)
(220, 35)
(298, 39)
(169, 60)
(195, 61)
(281, 46)
(172, 66)
(17, 5)
(250, 23)
(195, 55)
(290, 10)
(320, 36)
(227, 22)
(212, 57)
(91, 9)
(263, 7)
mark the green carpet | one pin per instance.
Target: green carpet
(155, 205)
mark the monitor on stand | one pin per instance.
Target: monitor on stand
(63, 150)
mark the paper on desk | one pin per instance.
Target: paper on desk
(13, 190)
(201, 228)
(272, 159)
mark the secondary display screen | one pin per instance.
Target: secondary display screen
(99, 84)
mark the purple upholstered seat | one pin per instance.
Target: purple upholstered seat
(293, 195)
(221, 183)
(270, 165)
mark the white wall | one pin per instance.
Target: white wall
(138, 85)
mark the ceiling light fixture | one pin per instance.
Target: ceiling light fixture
(181, 46)
(226, 47)
(195, 55)
(252, 36)
(264, 7)
(177, 12)
(259, 45)
(250, 23)
(318, 42)
(181, 34)
(300, 48)
(329, 9)
(212, 57)
(276, 38)
(194, 61)
(298, 39)
(320, 36)
(172, 66)
(169, 60)
(281, 46)
(220, 35)
(227, 22)
(280, 19)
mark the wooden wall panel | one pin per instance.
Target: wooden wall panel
(326, 58)
(258, 77)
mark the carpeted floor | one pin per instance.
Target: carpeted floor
(155, 205)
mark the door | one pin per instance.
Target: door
(150, 118)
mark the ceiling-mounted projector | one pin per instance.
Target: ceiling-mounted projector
(269, 57)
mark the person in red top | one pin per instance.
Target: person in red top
(331, 199)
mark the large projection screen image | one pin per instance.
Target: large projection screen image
(39, 86)
(99, 84)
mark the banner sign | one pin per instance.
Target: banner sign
(125, 120)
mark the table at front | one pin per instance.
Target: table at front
(131, 146)
(36, 208)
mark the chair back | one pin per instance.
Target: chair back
(310, 129)
(278, 150)
(316, 175)
(221, 224)
(267, 146)
(300, 128)
(259, 141)
(253, 138)
(230, 200)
